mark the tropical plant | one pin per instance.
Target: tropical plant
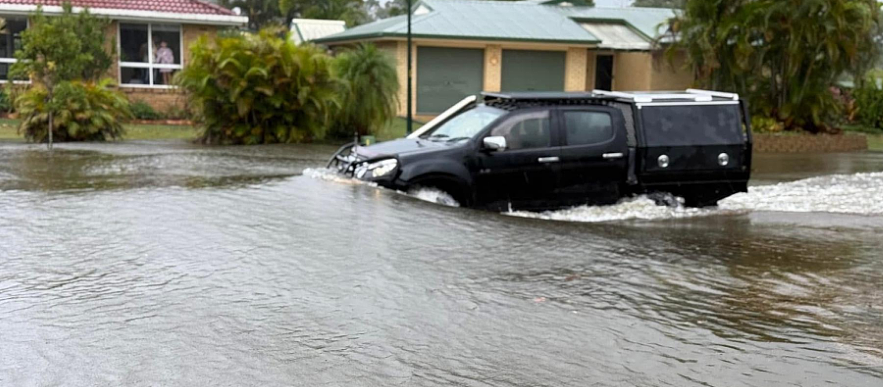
(82, 111)
(6, 102)
(55, 51)
(869, 104)
(371, 90)
(740, 45)
(143, 111)
(259, 89)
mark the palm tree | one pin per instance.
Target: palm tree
(371, 90)
(784, 54)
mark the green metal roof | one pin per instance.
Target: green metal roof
(529, 21)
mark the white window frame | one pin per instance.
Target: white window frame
(149, 65)
(13, 60)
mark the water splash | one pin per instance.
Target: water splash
(638, 208)
(434, 195)
(860, 193)
(332, 175)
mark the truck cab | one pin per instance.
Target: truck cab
(541, 151)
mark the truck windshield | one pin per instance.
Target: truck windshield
(465, 125)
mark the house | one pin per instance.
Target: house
(463, 47)
(138, 29)
(305, 30)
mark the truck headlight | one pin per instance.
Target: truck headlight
(377, 169)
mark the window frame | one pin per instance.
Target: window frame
(522, 115)
(13, 60)
(563, 126)
(149, 65)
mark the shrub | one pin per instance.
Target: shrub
(761, 124)
(5, 101)
(142, 111)
(259, 89)
(83, 111)
(869, 104)
(370, 93)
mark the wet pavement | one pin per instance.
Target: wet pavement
(165, 263)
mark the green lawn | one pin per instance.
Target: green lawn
(875, 136)
(8, 131)
(396, 129)
(160, 132)
(875, 142)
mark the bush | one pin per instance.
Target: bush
(761, 124)
(259, 89)
(83, 111)
(371, 91)
(869, 104)
(142, 111)
(5, 101)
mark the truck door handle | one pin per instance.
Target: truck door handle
(617, 155)
(545, 160)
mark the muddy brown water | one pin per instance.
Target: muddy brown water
(168, 264)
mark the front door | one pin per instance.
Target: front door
(604, 72)
(524, 175)
(594, 155)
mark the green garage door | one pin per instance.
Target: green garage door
(525, 70)
(447, 75)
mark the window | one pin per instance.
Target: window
(150, 54)
(465, 125)
(531, 130)
(10, 42)
(584, 128)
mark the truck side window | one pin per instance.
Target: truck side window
(585, 128)
(531, 130)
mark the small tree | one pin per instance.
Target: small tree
(60, 49)
(371, 92)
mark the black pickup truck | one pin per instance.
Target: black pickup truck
(540, 151)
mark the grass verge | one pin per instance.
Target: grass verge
(875, 135)
(9, 131)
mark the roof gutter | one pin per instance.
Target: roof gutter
(379, 35)
(133, 15)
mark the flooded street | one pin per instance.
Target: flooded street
(165, 263)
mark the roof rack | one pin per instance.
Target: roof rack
(650, 97)
(719, 94)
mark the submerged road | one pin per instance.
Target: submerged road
(145, 264)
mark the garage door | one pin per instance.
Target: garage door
(447, 75)
(525, 70)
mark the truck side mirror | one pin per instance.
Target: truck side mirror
(494, 143)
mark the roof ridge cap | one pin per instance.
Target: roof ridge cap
(215, 7)
(642, 9)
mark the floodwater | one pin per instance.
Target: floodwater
(163, 263)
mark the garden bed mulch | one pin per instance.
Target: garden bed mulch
(808, 143)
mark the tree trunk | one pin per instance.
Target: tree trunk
(49, 105)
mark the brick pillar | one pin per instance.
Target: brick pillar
(493, 67)
(575, 69)
(402, 71)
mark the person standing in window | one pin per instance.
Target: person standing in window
(164, 55)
